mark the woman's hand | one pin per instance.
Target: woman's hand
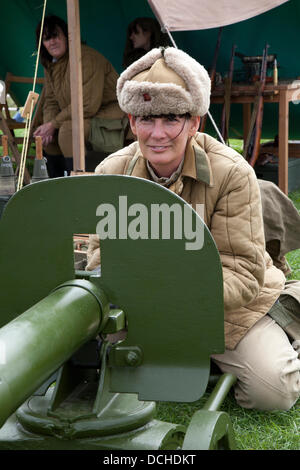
(46, 131)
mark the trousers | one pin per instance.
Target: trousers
(266, 366)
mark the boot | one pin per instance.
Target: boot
(55, 165)
(68, 165)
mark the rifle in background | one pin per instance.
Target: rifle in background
(252, 147)
(227, 96)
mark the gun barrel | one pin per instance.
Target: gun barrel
(39, 341)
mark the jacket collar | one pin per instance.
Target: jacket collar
(196, 164)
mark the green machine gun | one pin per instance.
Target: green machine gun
(63, 384)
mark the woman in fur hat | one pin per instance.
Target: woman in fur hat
(165, 93)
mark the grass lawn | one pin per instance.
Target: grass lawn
(254, 430)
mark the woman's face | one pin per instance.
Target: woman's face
(57, 44)
(140, 39)
(163, 139)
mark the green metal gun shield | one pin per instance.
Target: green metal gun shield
(172, 294)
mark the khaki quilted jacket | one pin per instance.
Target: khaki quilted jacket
(221, 179)
(99, 80)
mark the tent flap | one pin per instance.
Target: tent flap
(187, 15)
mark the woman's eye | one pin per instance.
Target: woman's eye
(146, 119)
(172, 118)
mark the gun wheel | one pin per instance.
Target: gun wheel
(209, 430)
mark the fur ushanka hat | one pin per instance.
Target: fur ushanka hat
(164, 81)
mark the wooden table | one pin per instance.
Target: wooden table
(283, 93)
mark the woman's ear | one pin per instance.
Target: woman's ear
(132, 123)
(194, 125)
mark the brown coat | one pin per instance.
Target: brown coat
(220, 178)
(99, 80)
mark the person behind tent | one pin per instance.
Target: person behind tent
(99, 80)
(143, 34)
(165, 93)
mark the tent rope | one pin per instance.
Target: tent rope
(28, 117)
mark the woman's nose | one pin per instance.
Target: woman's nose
(158, 130)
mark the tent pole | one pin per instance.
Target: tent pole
(76, 85)
(165, 29)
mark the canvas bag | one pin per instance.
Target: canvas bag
(108, 135)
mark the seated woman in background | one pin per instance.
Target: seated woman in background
(99, 79)
(143, 34)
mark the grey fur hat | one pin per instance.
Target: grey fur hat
(164, 81)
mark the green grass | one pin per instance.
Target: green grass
(253, 430)
(294, 256)
(295, 197)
